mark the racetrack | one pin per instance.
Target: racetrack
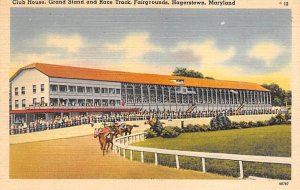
(80, 157)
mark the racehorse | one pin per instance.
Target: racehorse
(152, 122)
(126, 129)
(155, 125)
(105, 139)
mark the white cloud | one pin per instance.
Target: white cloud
(22, 59)
(134, 45)
(207, 52)
(266, 51)
(71, 43)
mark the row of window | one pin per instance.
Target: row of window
(34, 102)
(82, 89)
(42, 89)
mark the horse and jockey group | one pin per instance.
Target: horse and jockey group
(107, 133)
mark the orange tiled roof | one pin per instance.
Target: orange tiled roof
(60, 71)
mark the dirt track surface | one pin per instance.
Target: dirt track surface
(80, 157)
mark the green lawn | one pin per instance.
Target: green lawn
(266, 141)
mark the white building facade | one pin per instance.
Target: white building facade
(44, 89)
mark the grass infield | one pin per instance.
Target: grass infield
(264, 141)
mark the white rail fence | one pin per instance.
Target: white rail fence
(123, 144)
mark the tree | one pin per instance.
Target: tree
(184, 72)
(181, 71)
(288, 98)
(279, 96)
(277, 101)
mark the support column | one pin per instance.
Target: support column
(163, 94)
(126, 96)
(225, 99)
(249, 100)
(133, 88)
(198, 96)
(142, 94)
(149, 94)
(260, 97)
(175, 95)
(260, 100)
(216, 92)
(169, 91)
(207, 96)
(155, 94)
(211, 96)
(193, 99)
(265, 102)
(241, 96)
(221, 98)
(229, 97)
(202, 91)
(233, 98)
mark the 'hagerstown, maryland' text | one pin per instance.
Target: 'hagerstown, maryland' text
(129, 2)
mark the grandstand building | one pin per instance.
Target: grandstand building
(45, 90)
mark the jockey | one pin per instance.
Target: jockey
(120, 125)
(105, 130)
(117, 124)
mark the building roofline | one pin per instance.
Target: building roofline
(49, 70)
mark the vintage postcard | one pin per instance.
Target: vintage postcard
(122, 94)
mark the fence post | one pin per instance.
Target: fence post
(131, 156)
(119, 149)
(241, 169)
(156, 159)
(177, 162)
(203, 165)
(142, 157)
(124, 152)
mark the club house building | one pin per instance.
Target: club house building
(46, 90)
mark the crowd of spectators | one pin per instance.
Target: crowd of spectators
(42, 124)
